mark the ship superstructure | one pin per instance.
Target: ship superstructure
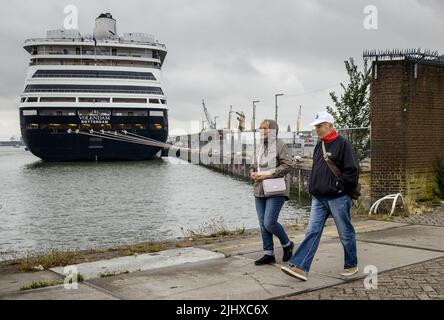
(100, 82)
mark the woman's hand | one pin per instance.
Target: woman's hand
(263, 175)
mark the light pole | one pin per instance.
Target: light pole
(229, 117)
(276, 105)
(254, 127)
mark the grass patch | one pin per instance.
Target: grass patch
(41, 284)
(211, 232)
(148, 247)
(49, 283)
(112, 274)
(382, 217)
(214, 228)
(53, 258)
(80, 277)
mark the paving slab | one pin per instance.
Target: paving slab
(254, 244)
(418, 236)
(223, 279)
(248, 245)
(83, 292)
(198, 273)
(436, 218)
(375, 225)
(329, 259)
(12, 282)
(423, 281)
(142, 262)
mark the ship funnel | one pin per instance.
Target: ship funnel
(105, 27)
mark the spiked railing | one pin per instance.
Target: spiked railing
(401, 54)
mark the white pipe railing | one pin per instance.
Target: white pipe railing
(394, 197)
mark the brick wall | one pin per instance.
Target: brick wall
(407, 128)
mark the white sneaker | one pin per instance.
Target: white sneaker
(349, 272)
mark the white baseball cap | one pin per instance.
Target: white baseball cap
(322, 116)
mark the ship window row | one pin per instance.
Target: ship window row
(93, 89)
(98, 51)
(62, 127)
(93, 100)
(94, 74)
(98, 62)
(88, 112)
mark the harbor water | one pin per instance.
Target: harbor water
(90, 205)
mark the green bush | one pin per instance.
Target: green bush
(440, 178)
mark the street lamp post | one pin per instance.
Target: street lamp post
(229, 117)
(276, 105)
(254, 127)
(215, 122)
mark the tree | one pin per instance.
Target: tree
(352, 109)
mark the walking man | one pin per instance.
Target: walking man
(329, 196)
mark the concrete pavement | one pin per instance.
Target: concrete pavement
(226, 270)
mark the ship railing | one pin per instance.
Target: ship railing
(86, 76)
(91, 41)
(94, 91)
(103, 63)
(97, 53)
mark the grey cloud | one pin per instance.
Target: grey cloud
(231, 52)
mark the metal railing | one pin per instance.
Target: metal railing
(102, 54)
(95, 91)
(103, 63)
(93, 76)
(90, 41)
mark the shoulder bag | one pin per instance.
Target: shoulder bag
(355, 193)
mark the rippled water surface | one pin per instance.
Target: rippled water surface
(94, 205)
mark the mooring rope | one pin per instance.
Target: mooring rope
(104, 134)
(130, 138)
(133, 138)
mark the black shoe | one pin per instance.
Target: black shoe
(288, 252)
(266, 259)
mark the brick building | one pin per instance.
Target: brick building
(407, 101)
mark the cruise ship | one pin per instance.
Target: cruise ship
(77, 86)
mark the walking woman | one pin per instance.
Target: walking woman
(272, 161)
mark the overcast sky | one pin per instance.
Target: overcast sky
(231, 52)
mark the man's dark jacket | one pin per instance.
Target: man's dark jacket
(323, 183)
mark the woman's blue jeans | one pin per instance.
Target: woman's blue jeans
(268, 210)
(340, 209)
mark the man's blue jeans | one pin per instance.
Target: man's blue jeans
(268, 210)
(340, 209)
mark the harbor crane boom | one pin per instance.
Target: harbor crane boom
(211, 124)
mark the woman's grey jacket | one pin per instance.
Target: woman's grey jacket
(276, 159)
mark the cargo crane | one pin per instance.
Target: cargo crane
(241, 121)
(211, 124)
